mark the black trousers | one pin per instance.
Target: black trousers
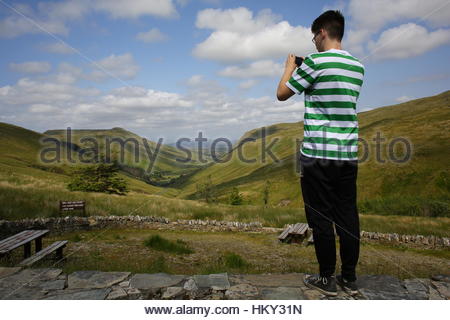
(329, 193)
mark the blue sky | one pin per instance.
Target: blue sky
(171, 68)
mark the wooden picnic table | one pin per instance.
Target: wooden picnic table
(24, 239)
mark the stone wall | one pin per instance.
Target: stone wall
(70, 224)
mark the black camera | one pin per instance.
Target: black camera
(298, 61)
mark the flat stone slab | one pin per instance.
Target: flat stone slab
(216, 281)
(442, 287)
(282, 293)
(5, 271)
(117, 294)
(382, 287)
(152, 281)
(173, 293)
(21, 293)
(93, 294)
(95, 279)
(30, 277)
(416, 289)
(242, 291)
(274, 280)
(53, 285)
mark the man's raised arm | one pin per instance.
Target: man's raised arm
(283, 91)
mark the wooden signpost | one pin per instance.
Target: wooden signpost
(72, 205)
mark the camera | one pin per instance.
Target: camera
(298, 61)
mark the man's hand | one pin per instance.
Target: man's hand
(290, 63)
(283, 91)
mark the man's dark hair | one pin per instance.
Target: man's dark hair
(332, 21)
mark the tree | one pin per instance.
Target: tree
(236, 198)
(98, 177)
(207, 190)
(266, 192)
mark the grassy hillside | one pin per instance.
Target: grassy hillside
(20, 164)
(420, 186)
(138, 155)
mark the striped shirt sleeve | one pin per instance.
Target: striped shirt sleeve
(302, 77)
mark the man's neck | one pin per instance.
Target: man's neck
(332, 45)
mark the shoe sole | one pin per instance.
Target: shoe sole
(328, 293)
(347, 290)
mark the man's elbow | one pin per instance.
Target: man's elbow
(281, 97)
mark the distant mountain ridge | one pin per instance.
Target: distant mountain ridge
(419, 185)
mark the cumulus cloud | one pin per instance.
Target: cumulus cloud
(114, 66)
(41, 91)
(153, 35)
(42, 108)
(407, 40)
(51, 17)
(262, 68)
(368, 17)
(31, 67)
(58, 47)
(131, 97)
(206, 107)
(239, 35)
(248, 84)
(403, 99)
(54, 17)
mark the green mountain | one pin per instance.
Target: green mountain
(419, 186)
(150, 161)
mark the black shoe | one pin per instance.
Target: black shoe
(326, 285)
(348, 286)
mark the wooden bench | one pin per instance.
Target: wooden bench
(295, 233)
(24, 239)
(55, 246)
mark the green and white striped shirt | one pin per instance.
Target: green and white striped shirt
(331, 81)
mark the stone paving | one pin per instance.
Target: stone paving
(53, 284)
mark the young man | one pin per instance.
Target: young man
(331, 80)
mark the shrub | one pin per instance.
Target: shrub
(236, 197)
(99, 177)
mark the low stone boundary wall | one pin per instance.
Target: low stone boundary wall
(71, 223)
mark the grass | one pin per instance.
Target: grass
(232, 252)
(159, 243)
(34, 197)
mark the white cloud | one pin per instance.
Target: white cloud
(369, 17)
(48, 17)
(44, 91)
(248, 84)
(153, 35)
(58, 47)
(114, 66)
(42, 108)
(238, 35)
(53, 17)
(403, 99)
(14, 26)
(129, 97)
(136, 8)
(262, 68)
(43, 103)
(373, 14)
(407, 40)
(31, 67)
(235, 20)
